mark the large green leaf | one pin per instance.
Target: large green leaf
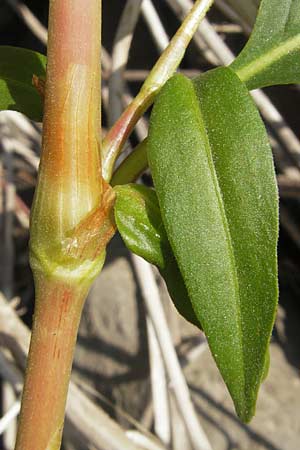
(140, 224)
(272, 54)
(17, 66)
(214, 176)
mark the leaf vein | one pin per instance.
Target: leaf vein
(267, 59)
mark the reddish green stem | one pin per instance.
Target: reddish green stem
(71, 218)
(161, 72)
(57, 315)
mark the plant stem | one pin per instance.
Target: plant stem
(132, 166)
(56, 320)
(161, 72)
(71, 219)
(69, 184)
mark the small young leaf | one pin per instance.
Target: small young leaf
(214, 176)
(272, 54)
(17, 67)
(140, 224)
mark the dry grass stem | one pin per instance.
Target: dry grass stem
(154, 308)
(120, 53)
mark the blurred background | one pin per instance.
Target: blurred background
(118, 375)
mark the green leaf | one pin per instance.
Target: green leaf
(17, 66)
(272, 54)
(214, 177)
(140, 224)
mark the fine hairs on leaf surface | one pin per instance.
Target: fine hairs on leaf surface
(272, 54)
(213, 172)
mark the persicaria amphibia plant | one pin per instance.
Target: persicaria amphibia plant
(210, 224)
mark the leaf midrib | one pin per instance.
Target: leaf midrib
(267, 59)
(228, 238)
